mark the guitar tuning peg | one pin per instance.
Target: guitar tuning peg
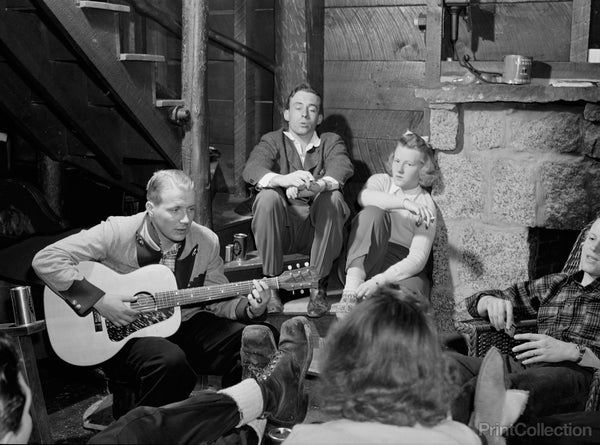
(289, 267)
(302, 291)
(298, 265)
(306, 264)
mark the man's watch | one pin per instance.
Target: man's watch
(581, 349)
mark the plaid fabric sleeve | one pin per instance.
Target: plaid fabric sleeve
(525, 297)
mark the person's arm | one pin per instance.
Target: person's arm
(56, 265)
(247, 309)
(338, 167)
(417, 257)
(541, 348)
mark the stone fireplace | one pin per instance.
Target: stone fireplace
(520, 176)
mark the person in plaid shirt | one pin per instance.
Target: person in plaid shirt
(557, 363)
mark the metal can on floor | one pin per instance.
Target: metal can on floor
(240, 246)
(228, 253)
(22, 305)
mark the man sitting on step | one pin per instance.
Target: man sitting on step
(300, 208)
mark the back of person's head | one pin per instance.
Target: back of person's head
(163, 179)
(429, 170)
(383, 363)
(12, 394)
(304, 87)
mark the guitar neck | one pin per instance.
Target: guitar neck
(205, 294)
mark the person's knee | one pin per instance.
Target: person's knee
(372, 213)
(268, 200)
(331, 204)
(173, 364)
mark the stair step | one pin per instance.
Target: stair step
(141, 57)
(20, 6)
(103, 5)
(169, 103)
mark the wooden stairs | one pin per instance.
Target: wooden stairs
(72, 93)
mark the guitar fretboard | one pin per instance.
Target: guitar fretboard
(181, 297)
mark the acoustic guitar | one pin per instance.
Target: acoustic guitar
(93, 339)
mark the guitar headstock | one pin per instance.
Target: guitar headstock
(295, 279)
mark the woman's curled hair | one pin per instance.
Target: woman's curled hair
(383, 363)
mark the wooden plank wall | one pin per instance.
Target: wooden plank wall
(375, 58)
(221, 81)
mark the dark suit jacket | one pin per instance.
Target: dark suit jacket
(276, 153)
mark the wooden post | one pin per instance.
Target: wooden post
(194, 147)
(433, 36)
(243, 94)
(580, 30)
(298, 49)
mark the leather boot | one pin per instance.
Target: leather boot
(258, 348)
(317, 304)
(274, 306)
(282, 380)
(496, 408)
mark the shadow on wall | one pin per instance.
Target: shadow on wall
(336, 123)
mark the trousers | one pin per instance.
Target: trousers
(370, 237)
(207, 418)
(554, 388)
(283, 226)
(165, 370)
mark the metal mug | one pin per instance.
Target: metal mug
(517, 69)
(22, 304)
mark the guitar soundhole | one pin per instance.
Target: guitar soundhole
(118, 333)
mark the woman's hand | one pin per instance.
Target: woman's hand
(540, 348)
(421, 211)
(366, 289)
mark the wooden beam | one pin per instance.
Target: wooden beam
(298, 35)
(433, 41)
(195, 156)
(243, 94)
(580, 30)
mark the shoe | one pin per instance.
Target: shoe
(345, 305)
(258, 348)
(496, 408)
(274, 306)
(282, 380)
(317, 304)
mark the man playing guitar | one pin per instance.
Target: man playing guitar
(207, 341)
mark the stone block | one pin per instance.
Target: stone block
(591, 112)
(459, 192)
(442, 303)
(488, 257)
(592, 187)
(484, 126)
(591, 139)
(512, 185)
(544, 130)
(565, 203)
(444, 127)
